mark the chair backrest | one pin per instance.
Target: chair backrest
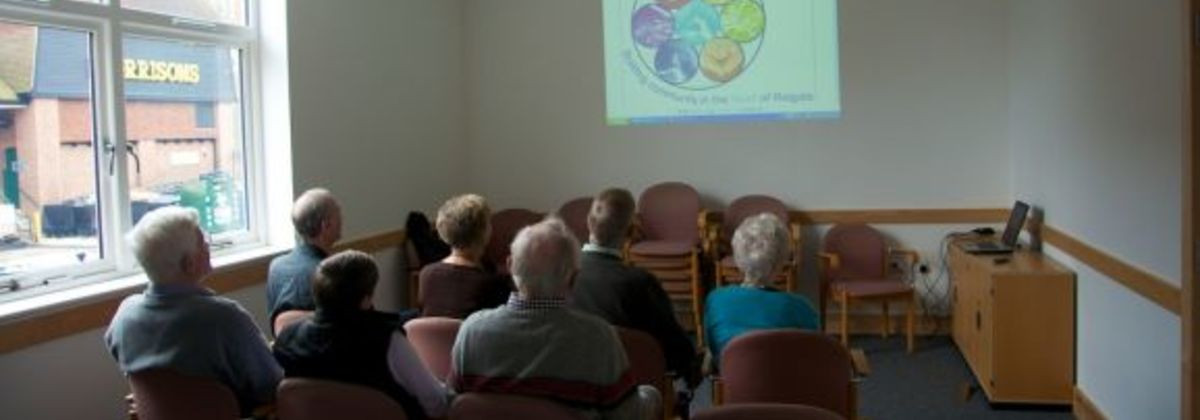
(646, 359)
(861, 251)
(162, 394)
(766, 412)
(575, 213)
(286, 318)
(471, 406)
(505, 225)
(787, 367)
(669, 211)
(750, 205)
(316, 399)
(433, 339)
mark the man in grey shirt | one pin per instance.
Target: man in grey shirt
(179, 325)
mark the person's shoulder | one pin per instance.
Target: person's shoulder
(586, 322)
(483, 317)
(223, 307)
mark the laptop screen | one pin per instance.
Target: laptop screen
(1016, 220)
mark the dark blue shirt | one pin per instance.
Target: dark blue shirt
(289, 280)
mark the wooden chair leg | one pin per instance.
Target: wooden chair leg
(697, 301)
(910, 320)
(887, 320)
(845, 327)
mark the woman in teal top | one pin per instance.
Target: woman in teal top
(760, 247)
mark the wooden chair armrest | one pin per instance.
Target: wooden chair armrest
(910, 256)
(711, 237)
(858, 363)
(829, 262)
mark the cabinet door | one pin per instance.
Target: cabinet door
(985, 333)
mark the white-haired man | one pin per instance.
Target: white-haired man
(760, 247)
(534, 345)
(179, 325)
(317, 218)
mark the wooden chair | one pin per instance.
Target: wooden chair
(575, 213)
(667, 242)
(163, 394)
(790, 367)
(649, 366)
(855, 267)
(766, 411)
(505, 226)
(433, 339)
(472, 406)
(317, 399)
(719, 235)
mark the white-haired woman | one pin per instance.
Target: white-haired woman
(760, 248)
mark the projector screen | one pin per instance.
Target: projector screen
(679, 61)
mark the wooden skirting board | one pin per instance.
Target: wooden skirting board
(1083, 408)
(24, 333)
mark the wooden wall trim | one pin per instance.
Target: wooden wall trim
(1144, 283)
(27, 332)
(901, 216)
(1083, 408)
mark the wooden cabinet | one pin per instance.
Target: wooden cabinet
(1014, 322)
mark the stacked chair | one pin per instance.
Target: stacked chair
(856, 267)
(505, 226)
(667, 242)
(718, 236)
(574, 213)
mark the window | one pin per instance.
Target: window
(110, 109)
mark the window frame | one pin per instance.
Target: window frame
(109, 24)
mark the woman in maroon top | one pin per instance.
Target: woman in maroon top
(459, 285)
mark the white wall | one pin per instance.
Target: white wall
(376, 106)
(1096, 129)
(924, 97)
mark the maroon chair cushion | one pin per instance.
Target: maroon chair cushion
(668, 212)
(505, 226)
(871, 287)
(766, 412)
(789, 367)
(750, 205)
(575, 213)
(861, 252)
(161, 394)
(433, 339)
(316, 399)
(472, 406)
(646, 359)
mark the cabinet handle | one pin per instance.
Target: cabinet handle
(978, 321)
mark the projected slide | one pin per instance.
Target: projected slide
(679, 61)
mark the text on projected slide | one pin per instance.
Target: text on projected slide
(672, 61)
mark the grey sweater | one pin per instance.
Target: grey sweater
(190, 330)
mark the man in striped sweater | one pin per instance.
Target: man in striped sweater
(534, 345)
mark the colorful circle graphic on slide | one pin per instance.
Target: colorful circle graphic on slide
(698, 44)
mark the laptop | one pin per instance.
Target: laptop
(1008, 242)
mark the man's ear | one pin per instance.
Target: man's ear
(508, 263)
(187, 265)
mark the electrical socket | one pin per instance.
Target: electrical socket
(923, 268)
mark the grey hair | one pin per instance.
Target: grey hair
(760, 245)
(544, 256)
(162, 239)
(311, 209)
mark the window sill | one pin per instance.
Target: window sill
(123, 285)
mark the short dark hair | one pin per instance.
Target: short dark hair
(343, 280)
(610, 216)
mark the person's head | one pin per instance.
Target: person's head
(609, 219)
(345, 282)
(760, 247)
(169, 245)
(544, 258)
(463, 222)
(318, 218)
